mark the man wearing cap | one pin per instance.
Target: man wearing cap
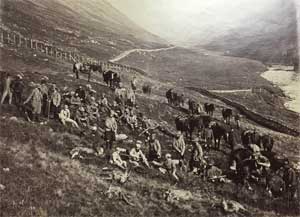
(131, 99)
(81, 93)
(131, 119)
(197, 158)
(117, 160)
(290, 179)
(171, 166)
(81, 117)
(55, 101)
(7, 90)
(179, 144)
(208, 137)
(65, 117)
(35, 98)
(136, 155)
(111, 128)
(154, 153)
(17, 89)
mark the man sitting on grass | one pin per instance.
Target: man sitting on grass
(137, 156)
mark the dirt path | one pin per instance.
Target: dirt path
(126, 53)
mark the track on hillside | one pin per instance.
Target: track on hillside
(256, 117)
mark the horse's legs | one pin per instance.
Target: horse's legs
(89, 76)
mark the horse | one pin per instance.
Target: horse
(147, 89)
(108, 77)
(192, 106)
(198, 122)
(227, 113)
(209, 108)
(220, 131)
(182, 124)
(267, 142)
(82, 68)
(251, 137)
(169, 95)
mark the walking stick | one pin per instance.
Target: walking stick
(48, 110)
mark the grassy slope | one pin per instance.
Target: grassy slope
(49, 183)
(211, 72)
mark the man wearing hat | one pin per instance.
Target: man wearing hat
(137, 156)
(179, 144)
(35, 98)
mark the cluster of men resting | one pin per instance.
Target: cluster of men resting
(251, 157)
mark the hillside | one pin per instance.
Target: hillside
(95, 27)
(40, 179)
(189, 68)
(270, 36)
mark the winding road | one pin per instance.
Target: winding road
(126, 53)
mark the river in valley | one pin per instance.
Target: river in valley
(288, 81)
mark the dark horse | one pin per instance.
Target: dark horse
(227, 113)
(86, 69)
(192, 123)
(209, 108)
(147, 89)
(220, 131)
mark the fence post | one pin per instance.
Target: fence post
(2, 36)
(14, 39)
(8, 38)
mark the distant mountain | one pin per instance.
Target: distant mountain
(94, 27)
(269, 37)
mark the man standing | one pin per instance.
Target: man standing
(130, 97)
(197, 159)
(35, 98)
(18, 87)
(111, 128)
(45, 94)
(179, 144)
(55, 102)
(7, 91)
(134, 83)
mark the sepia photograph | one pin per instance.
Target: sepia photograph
(144, 108)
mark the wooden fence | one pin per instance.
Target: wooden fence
(16, 40)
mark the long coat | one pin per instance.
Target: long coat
(35, 99)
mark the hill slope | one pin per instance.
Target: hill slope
(270, 36)
(93, 27)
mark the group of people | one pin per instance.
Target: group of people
(102, 117)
